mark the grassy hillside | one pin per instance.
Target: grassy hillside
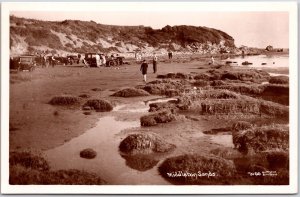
(28, 35)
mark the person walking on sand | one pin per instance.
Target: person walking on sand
(154, 63)
(143, 69)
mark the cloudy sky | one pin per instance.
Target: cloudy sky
(255, 29)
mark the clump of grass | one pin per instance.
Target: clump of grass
(252, 75)
(241, 125)
(161, 87)
(64, 100)
(278, 159)
(217, 83)
(242, 88)
(171, 106)
(157, 117)
(276, 89)
(28, 160)
(172, 93)
(259, 139)
(140, 162)
(131, 92)
(26, 168)
(174, 76)
(222, 169)
(278, 93)
(144, 143)
(202, 76)
(201, 83)
(99, 105)
(88, 153)
(274, 109)
(279, 80)
(230, 106)
(84, 96)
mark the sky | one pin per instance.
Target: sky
(253, 29)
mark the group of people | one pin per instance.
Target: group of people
(144, 67)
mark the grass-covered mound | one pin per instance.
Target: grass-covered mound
(252, 75)
(131, 92)
(201, 83)
(242, 88)
(258, 139)
(230, 106)
(140, 162)
(279, 80)
(99, 105)
(28, 169)
(174, 76)
(64, 100)
(156, 118)
(202, 76)
(198, 170)
(28, 160)
(160, 106)
(144, 143)
(161, 87)
(277, 159)
(241, 125)
(278, 93)
(88, 153)
(220, 102)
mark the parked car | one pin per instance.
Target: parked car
(90, 59)
(73, 59)
(23, 62)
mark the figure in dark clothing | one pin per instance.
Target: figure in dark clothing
(170, 55)
(143, 69)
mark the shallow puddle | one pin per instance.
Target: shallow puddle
(222, 139)
(108, 163)
(140, 107)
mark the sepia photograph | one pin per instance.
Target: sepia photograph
(97, 96)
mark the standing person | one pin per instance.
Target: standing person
(170, 54)
(212, 60)
(143, 69)
(98, 62)
(52, 61)
(154, 63)
(103, 60)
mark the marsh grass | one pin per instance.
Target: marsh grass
(66, 100)
(192, 163)
(99, 105)
(26, 168)
(144, 143)
(130, 92)
(259, 139)
(156, 118)
(279, 80)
